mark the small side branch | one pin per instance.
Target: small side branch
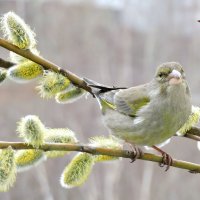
(193, 137)
(194, 131)
(6, 64)
(100, 151)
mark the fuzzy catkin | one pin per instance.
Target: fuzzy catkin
(78, 170)
(7, 169)
(17, 31)
(32, 130)
(25, 71)
(26, 159)
(52, 83)
(70, 96)
(192, 120)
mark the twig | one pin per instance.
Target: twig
(194, 131)
(46, 64)
(6, 64)
(100, 151)
(193, 137)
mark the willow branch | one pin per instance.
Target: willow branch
(79, 82)
(6, 64)
(194, 131)
(101, 151)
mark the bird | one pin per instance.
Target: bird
(148, 114)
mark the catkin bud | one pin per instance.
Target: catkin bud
(77, 172)
(101, 141)
(31, 130)
(69, 96)
(3, 74)
(192, 120)
(59, 135)
(7, 169)
(17, 31)
(52, 83)
(25, 71)
(25, 159)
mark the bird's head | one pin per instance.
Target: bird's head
(171, 73)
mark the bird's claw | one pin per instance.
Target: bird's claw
(137, 153)
(166, 160)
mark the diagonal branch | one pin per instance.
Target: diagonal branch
(101, 151)
(79, 82)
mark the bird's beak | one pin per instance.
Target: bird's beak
(175, 77)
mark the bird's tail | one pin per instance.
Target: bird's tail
(104, 94)
(98, 89)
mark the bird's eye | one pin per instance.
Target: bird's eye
(162, 74)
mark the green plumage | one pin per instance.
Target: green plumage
(151, 113)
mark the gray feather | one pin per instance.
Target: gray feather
(128, 101)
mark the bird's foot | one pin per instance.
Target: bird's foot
(166, 158)
(136, 153)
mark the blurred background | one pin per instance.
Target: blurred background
(114, 42)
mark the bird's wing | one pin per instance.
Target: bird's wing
(129, 101)
(107, 100)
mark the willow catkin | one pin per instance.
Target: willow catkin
(26, 159)
(32, 130)
(78, 170)
(7, 169)
(52, 83)
(69, 96)
(25, 72)
(17, 31)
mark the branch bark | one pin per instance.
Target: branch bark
(193, 133)
(193, 137)
(100, 151)
(46, 64)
